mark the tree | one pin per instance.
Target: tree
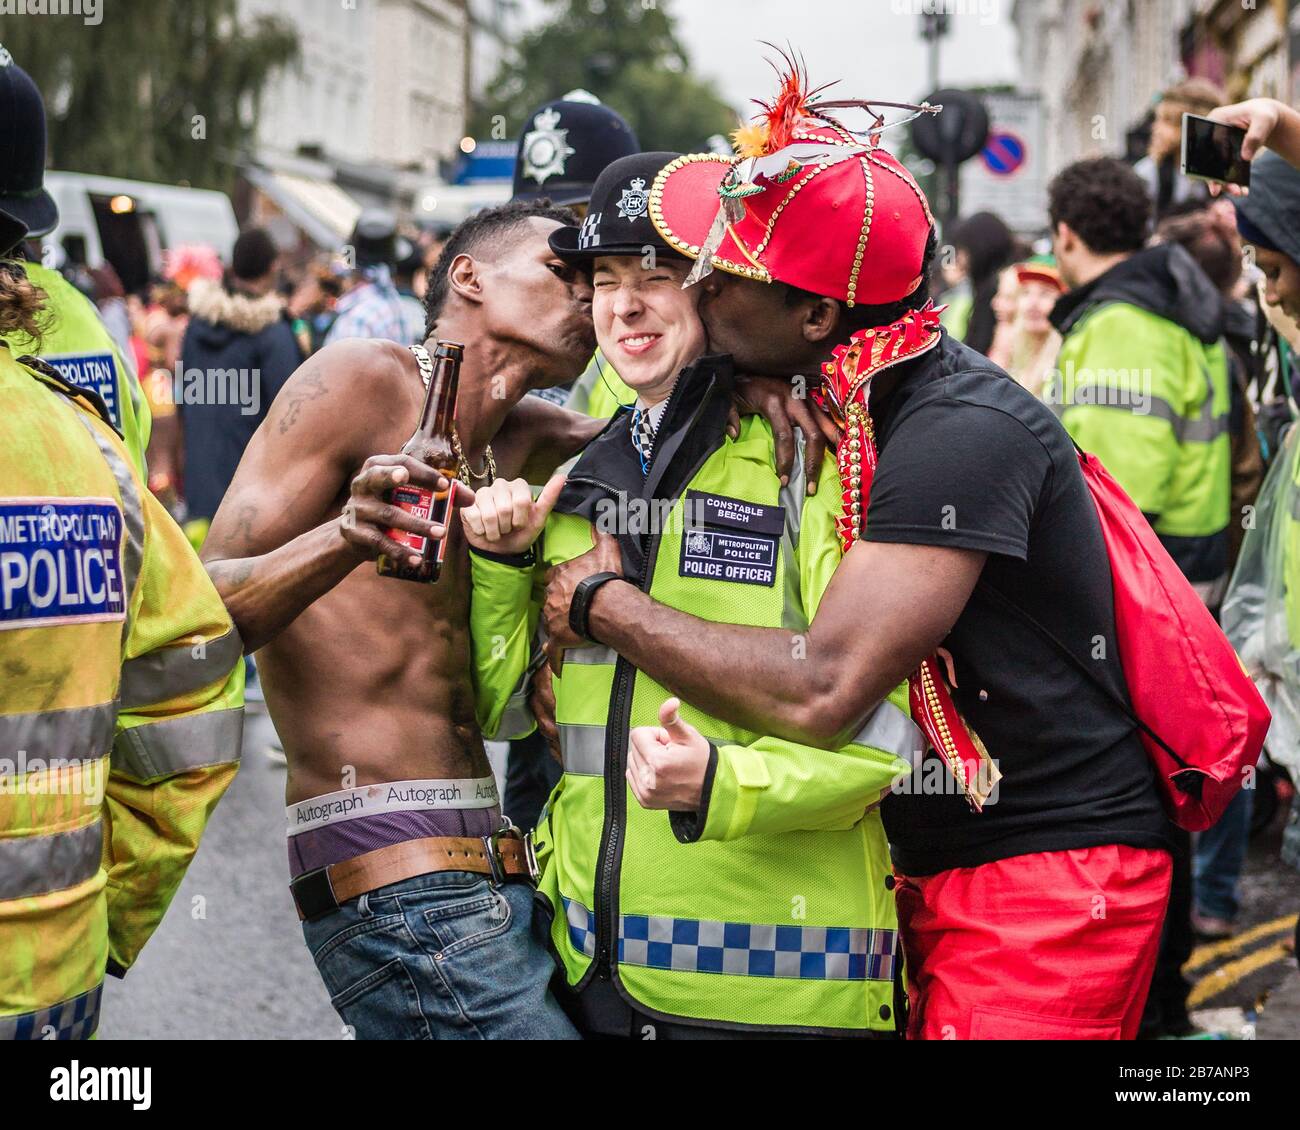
(627, 54)
(170, 93)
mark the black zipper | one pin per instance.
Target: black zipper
(595, 482)
(603, 962)
(616, 738)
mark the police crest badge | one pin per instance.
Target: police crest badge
(634, 201)
(546, 147)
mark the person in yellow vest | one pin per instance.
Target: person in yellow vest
(564, 146)
(122, 711)
(74, 340)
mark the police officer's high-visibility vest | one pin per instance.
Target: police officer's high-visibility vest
(1288, 559)
(121, 712)
(1152, 401)
(779, 913)
(77, 343)
(600, 391)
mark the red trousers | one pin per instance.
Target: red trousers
(1054, 945)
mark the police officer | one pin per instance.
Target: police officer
(75, 341)
(763, 904)
(564, 147)
(122, 710)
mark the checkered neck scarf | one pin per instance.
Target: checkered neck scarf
(645, 423)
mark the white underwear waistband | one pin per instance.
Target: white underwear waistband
(394, 796)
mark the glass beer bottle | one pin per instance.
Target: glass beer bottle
(432, 445)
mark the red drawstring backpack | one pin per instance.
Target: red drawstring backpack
(1201, 719)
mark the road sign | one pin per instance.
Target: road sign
(1004, 155)
(1010, 178)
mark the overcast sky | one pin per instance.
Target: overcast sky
(871, 46)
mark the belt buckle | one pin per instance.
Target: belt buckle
(492, 849)
(530, 858)
(313, 893)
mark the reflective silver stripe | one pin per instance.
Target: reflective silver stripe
(892, 730)
(795, 491)
(583, 749)
(170, 672)
(163, 749)
(74, 1019)
(37, 865)
(591, 656)
(1158, 407)
(132, 513)
(83, 732)
(1204, 429)
(794, 618)
(516, 719)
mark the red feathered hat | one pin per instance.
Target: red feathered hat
(806, 202)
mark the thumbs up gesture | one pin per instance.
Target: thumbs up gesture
(666, 764)
(505, 519)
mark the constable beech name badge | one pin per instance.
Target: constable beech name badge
(728, 539)
(60, 562)
(93, 371)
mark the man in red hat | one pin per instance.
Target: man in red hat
(1031, 870)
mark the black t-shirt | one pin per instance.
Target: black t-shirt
(969, 459)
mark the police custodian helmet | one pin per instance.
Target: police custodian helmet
(618, 218)
(565, 146)
(22, 142)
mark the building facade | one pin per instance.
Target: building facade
(1100, 65)
(375, 106)
(420, 94)
(383, 81)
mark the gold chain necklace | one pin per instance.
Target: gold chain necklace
(467, 473)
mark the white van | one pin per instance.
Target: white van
(130, 223)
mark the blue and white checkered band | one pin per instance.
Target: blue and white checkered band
(74, 1019)
(690, 945)
(589, 233)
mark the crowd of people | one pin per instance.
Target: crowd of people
(810, 692)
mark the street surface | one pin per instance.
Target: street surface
(229, 961)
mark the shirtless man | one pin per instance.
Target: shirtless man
(368, 679)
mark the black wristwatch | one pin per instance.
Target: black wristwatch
(582, 598)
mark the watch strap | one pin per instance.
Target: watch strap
(582, 598)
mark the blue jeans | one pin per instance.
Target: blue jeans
(444, 956)
(1220, 853)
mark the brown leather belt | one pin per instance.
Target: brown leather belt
(504, 855)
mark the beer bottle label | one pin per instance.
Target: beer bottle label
(430, 506)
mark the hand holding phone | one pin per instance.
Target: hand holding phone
(1211, 151)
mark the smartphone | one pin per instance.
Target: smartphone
(1212, 151)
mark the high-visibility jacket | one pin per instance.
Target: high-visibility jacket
(600, 391)
(956, 314)
(121, 712)
(773, 907)
(1151, 399)
(1289, 559)
(77, 343)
